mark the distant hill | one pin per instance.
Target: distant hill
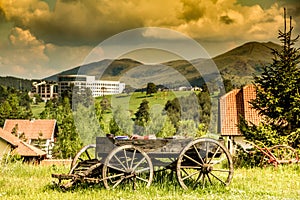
(107, 69)
(17, 83)
(237, 65)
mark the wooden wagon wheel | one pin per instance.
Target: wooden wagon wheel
(127, 165)
(204, 162)
(85, 158)
(280, 154)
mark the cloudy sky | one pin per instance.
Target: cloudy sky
(41, 37)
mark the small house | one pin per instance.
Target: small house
(232, 105)
(39, 133)
(12, 145)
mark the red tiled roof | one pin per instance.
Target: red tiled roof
(235, 104)
(25, 149)
(250, 114)
(33, 128)
(8, 137)
(21, 148)
(229, 113)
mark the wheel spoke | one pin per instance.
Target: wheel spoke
(144, 158)
(116, 168)
(142, 179)
(192, 159)
(197, 180)
(119, 161)
(115, 176)
(118, 182)
(209, 179)
(88, 155)
(126, 158)
(190, 175)
(142, 170)
(133, 157)
(218, 178)
(206, 152)
(203, 181)
(198, 154)
(219, 161)
(214, 155)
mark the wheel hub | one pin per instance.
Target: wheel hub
(206, 168)
(128, 171)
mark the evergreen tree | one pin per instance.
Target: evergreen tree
(228, 85)
(173, 111)
(68, 140)
(205, 108)
(11, 108)
(278, 89)
(142, 116)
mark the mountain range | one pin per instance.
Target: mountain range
(237, 65)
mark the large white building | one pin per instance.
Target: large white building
(97, 87)
(46, 89)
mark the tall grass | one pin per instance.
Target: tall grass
(22, 181)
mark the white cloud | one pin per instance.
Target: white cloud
(236, 23)
(162, 34)
(26, 56)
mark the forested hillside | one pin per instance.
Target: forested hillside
(17, 83)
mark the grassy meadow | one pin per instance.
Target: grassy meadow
(22, 181)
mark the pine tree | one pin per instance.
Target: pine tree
(142, 116)
(278, 87)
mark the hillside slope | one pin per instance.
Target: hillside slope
(237, 65)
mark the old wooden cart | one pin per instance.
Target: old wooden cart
(275, 155)
(118, 162)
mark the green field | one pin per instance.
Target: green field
(130, 101)
(19, 181)
(37, 109)
(133, 100)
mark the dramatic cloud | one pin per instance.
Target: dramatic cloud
(90, 21)
(38, 35)
(25, 55)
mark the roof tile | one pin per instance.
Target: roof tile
(21, 148)
(234, 104)
(32, 128)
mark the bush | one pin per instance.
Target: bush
(10, 158)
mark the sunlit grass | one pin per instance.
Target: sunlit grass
(37, 109)
(19, 181)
